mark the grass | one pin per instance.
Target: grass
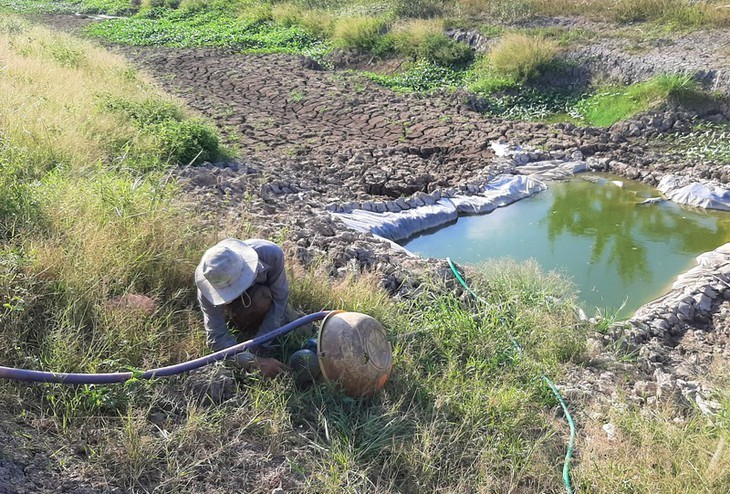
(86, 211)
(613, 103)
(393, 29)
(110, 7)
(650, 448)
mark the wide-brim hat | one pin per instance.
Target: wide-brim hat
(226, 271)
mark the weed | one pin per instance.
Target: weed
(358, 33)
(705, 142)
(531, 104)
(681, 458)
(491, 30)
(521, 57)
(422, 77)
(110, 7)
(319, 23)
(484, 79)
(424, 40)
(214, 27)
(423, 9)
(296, 96)
(616, 103)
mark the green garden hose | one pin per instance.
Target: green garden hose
(551, 385)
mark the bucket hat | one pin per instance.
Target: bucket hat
(226, 270)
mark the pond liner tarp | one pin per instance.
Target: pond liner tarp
(694, 192)
(503, 190)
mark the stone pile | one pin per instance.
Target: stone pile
(673, 339)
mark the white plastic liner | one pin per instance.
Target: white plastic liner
(398, 226)
(703, 193)
(502, 191)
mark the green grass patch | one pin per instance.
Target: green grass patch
(192, 28)
(615, 103)
(420, 77)
(424, 40)
(531, 104)
(109, 7)
(514, 60)
(360, 33)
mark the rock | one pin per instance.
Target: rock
(212, 384)
(645, 389)
(708, 407)
(610, 431)
(666, 384)
(133, 303)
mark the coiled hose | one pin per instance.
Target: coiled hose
(171, 370)
(547, 380)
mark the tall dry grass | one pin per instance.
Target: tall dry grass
(81, 224)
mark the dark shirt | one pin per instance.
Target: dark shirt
(270, 273)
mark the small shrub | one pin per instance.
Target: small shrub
(186, 142)
(153, 4)
(259, 12)
(318, 23)
(288, 14)
(193, 5)
(358, 33)
(521, 57)
(484, 79)
(421, 39)
(446, 52)
(411, 35)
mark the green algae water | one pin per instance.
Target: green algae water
(592, 229)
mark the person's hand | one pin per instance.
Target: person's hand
(270, 367)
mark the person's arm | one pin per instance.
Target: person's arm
(216, 330)
(272, 255)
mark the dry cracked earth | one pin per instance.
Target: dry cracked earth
(308, 137)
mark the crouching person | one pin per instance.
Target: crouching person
(242, 289)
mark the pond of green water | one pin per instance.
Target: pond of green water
(593, 230)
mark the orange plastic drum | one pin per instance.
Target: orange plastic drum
(354, 352)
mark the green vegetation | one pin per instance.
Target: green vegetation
(413, 30)
(214, 27)
(676, 13)
(627, 463)
(514, 60)
(422, 77)
(705, 142)
(531, 104)
(612, 104)
(110, 7)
